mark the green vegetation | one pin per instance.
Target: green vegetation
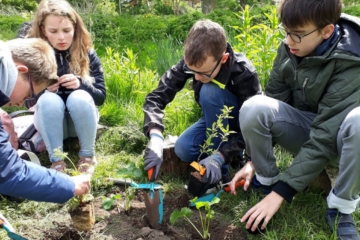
(204, 220)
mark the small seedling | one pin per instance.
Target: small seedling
(75, 201)
(130, 172)
(186, 212)
(217, 130)
(108, 202)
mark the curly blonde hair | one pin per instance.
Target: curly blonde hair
(79, 58)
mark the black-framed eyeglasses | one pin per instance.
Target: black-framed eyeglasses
(31, 87)
(295, 37)
(189, 71)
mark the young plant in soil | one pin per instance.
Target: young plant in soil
(108, 202)
(81, 208)
(186, 213)
(217, 130)
(131, 172)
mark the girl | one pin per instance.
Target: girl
(68, 107)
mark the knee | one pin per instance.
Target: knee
(352, 122)
(253, 109)
(79, 99)
(208, 93)
(50, 101)
(182, 151)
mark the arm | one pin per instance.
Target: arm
(342, 95)
(170, 83)
(97, 89)
(276, 86)
(20, 178)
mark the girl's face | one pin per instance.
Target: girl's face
(59, 31)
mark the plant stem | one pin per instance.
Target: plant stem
(187, 219)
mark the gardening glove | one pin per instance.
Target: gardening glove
(153, 156)
(213, 165)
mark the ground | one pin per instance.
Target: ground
(119, 224)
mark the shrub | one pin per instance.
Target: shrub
(11, 23)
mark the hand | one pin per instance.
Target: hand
(263, 210)
(82, 184)
(213, 165)
(247, 172)
(153, 156)
(70, 81)
(54, 87)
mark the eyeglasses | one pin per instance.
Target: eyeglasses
(32, 95)
(189, 71)
(295, 37)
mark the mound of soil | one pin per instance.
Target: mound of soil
(133, 224)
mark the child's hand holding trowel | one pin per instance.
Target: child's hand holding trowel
(247, 172)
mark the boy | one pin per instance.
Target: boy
(312, 110)
(27, 66)
(220, 77)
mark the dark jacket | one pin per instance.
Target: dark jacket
(237, 74)
(96, 90)
(19, 178)
(328, 85)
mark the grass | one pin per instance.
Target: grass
(127, 85)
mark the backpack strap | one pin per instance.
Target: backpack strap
(32, 156)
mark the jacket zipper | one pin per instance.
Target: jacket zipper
(303, 88)
(61, 59)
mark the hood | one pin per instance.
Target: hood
(8, 71)
(350, 27)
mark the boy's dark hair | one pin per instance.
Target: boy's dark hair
(297, 13)
(206, 38)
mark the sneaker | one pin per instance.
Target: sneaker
(87, 164)
(58, 166)
(256, 185)
(346, 227)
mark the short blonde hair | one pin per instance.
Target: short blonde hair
(38, 56)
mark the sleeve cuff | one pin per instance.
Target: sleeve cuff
(285, 191)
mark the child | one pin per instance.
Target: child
(312, 110)
(220, 77)
(68, 108)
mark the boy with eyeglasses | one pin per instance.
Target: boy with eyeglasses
(312, 110)
(220, 77)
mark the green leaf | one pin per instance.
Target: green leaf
(174, 216)
(107, 203)
(199, 205)
(137, 173)
(117, 196)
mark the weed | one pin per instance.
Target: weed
(204, 220)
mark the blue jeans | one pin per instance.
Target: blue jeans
(212, 100)
(57, 121)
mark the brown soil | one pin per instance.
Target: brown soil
(133, 224)
(197, 175)
(83, 217)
